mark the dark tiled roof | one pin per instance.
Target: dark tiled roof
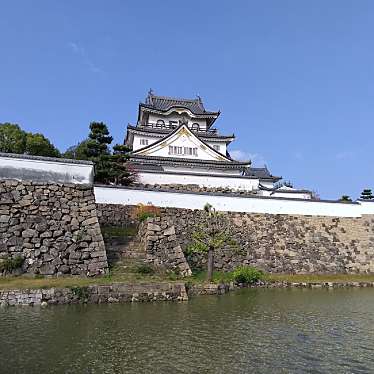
(275, 190)
(261, 173)
(158, 160)
(164, 103)
(199, 134)
(43, 158)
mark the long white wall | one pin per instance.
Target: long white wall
(244, 184)
(108, 195)
(45, 169)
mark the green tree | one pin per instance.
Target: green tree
(366, 194)
(98, 151)
(345, 199)
(12, 138)
(213, 234)
(78, 151)
(121, 173)
(39, 145)
(110, 168)
(99, 140)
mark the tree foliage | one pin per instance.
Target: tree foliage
(98, 140)
(366, 194)
(14, 140)
(78, 151)
(213, 234)
(110, 167)
(345, 199)
(39, 145)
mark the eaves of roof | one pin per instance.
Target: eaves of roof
(160, 132)
(188, 161)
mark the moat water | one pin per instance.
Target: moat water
(250, 331)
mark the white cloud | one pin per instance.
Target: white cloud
(79, 50)
(76, 48)
(345, 155)
(256, 158)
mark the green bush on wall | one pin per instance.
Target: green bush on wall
(11, 263)
(247, 275)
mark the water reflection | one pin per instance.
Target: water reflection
(252, 331)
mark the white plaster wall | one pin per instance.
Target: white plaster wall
(222, 146)
(194, 169)
(183, 139)
(243, 184)
(136, 144)
(295, 195)
(45, 170)
(367, 207)
(105, 195)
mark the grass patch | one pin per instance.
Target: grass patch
(26, 282)
(199, 276)
(322, 278)
(145, 269)
(118, 276)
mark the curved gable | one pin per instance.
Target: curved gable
(183, 143)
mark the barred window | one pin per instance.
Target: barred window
(160, 123)
(143, 141)
(195, 126)
(216, 147)
(185, 151)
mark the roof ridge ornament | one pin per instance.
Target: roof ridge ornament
(183, 121)
(148, 99)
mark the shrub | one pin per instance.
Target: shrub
(145, 269)
(247, 274)
(11, 263)
(145, 211)
(81, 292)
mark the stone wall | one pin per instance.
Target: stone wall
(97, 294)
(162, 248)
(116, 215)
(53, 227)
(280, 243)
(196, 188)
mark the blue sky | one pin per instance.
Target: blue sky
(293, 79)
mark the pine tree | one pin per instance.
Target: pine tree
(366, 194)
(120, 173)
(99, 140)
(98, 151)
(345, 199)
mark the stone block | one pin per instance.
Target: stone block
(90, 221)
(47, 269)
(169, 231)
(29, 233)
(153, 227)
(4, 218)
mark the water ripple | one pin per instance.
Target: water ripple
(252, 331)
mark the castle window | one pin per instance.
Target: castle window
(143, 141)
(216, 147)
(189, 151)
(182, 151)
(174, 150)
(160, 123)
(195, 126)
